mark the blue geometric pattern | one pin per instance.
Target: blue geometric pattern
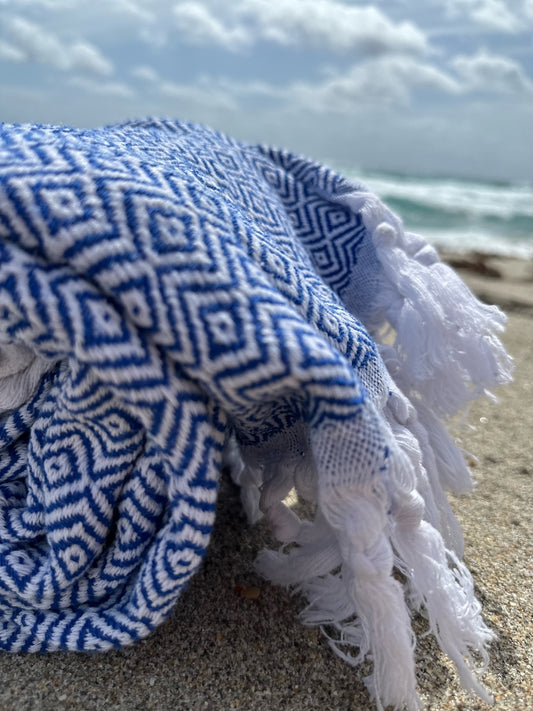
(178, 286)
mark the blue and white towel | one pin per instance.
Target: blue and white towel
(172, 300)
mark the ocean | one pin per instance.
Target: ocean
(460, 215)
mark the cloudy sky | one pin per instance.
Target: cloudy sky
(425, 86)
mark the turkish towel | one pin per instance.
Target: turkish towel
(171, 301)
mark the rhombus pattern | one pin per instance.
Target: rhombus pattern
(180, 286)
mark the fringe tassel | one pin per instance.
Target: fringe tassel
(445, 354)
(361, 522)
(415, 442)
(362, 602)
(447, 594)
(448, 351)
(343, 562)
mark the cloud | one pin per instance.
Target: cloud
(132, 8)
(201, 27)
(85, 56)
(527, 9)
(34, 43)
(320, 23)
(489, 14)
(494, 14)
(255, 88)
(206, 96)
(205, 93)
(492, 73)
(106, 88)
(37, 44)
(387, 80)
(331, 24)
(154, 36)
(375, 82)
(145, 73)
(12, 54)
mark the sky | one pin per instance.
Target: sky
(427, 87)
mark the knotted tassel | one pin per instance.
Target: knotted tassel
(441, 584)
(360, 522)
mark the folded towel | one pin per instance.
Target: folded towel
(172, 301)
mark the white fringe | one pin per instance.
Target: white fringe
(445, 354)
(447, 348)
(447, 594)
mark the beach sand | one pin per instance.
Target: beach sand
(223, 650)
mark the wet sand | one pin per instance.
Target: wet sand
(221, 650)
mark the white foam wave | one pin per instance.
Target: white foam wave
(474, 199)
(469, 241)
(460, 215)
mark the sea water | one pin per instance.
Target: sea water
(460, 215)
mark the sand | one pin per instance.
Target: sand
(222, 650)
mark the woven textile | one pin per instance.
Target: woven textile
(172, 301)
